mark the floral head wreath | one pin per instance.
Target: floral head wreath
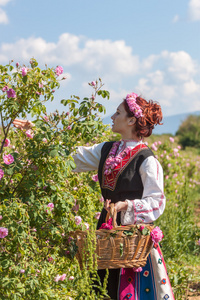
(133, 106)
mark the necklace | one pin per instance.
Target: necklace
(113, 159)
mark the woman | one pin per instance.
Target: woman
(131, 177)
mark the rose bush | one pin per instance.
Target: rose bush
(40, 201)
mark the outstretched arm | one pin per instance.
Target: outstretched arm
(23, 124)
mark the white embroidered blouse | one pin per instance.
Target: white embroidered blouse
(152, 204)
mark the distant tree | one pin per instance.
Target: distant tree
(189, 132)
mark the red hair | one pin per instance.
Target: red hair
(152, 115)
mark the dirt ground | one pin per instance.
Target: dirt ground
(196, 294)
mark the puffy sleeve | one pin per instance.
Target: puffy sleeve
(152, 204)
(87, 158)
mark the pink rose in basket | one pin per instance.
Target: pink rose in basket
(156, 235)
(137, 269)
(107, 225)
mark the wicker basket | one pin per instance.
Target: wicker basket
(116, 248)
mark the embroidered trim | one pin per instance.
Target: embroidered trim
(110, 181)
(155, 208)
(157, 168)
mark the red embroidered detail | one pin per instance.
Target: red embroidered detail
(153, 209)
(157, 169)
(109, 181)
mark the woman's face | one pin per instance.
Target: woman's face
(121, 123)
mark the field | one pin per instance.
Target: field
(43, 201)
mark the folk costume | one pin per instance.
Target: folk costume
(134, 175)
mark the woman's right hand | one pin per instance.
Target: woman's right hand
(23, 124)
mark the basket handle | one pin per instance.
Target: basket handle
(112, 213)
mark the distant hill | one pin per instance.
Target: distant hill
(170, 123)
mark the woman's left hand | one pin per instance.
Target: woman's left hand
(121, 205)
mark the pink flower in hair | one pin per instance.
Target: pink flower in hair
(133, 106)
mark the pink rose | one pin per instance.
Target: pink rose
(3, 232)
(78, 220)
(137, 269)
(87, 225)
(5, 88)
(171, 139)
(17, 64)
(6, 143)
(93, 83)
(51, 206)
(97, 215)
(50, 259)
(153, 146)
(29, 134)
(44, 140)
(11, 93)
(101, 199)
(57, 278)
(156, 235)
(95, 177)
(69, 127)
(71, 278)
(46, 118)
(24, 71)
(107, 225)
(8, 159)
(22, 271)
(62, 277)
(1, 217)
(58, 70)
(141, 227)
(1, 174)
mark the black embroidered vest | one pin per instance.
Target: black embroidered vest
(124, 182)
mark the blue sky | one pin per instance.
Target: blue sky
(148, 47)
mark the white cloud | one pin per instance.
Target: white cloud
(176, 19)
(3, 17)
(4, 2)
(173, 81)
(180, 64)
(191, 87)
(194, 10)
(102, 57)
(169, 77)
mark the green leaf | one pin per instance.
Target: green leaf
(121, 249)
(53, 153)
(72, 164)
(145, 231)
